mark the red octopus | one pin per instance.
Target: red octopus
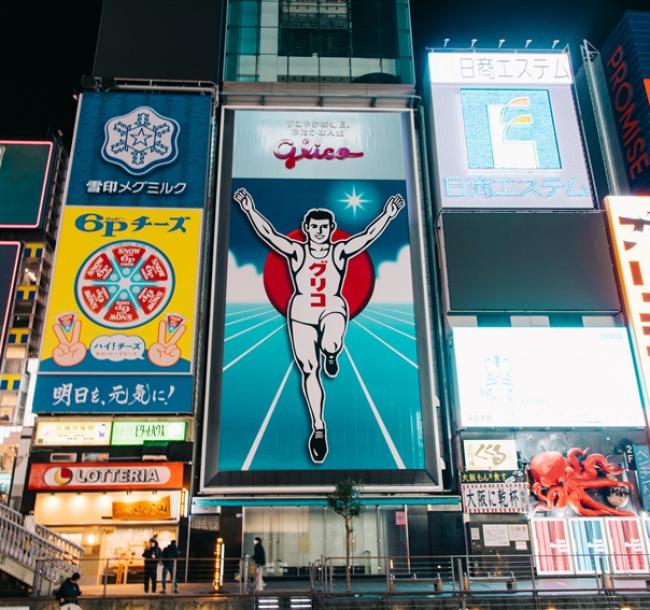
(558, 481)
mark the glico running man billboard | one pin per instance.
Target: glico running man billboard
(318, 360)
(505, 131)
(119, 330)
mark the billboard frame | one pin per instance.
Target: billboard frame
(429, 403)
(46, 180)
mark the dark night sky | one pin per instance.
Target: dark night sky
(47, 47)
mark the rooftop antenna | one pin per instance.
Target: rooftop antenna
(473, 43)
(555, 43)
(528, 41)
(446, 42)
(501, 41)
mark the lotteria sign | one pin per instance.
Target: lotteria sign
(127, 475)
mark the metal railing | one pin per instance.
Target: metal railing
(458, 575)
(44, 556)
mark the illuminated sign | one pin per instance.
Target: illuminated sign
(521, 145)
(589, 545)
(495, 497)
(626, 545)
(138, 432)
(143, 510)
(141, 150)
(509, 129)
(626, 66)
(322, 314)
(480, 68)
(105, 475)
(70, 433)
(119, 335)
(551, 546)
(24, 178)
(490, 454)
(629, 221)
(9, 260)
(541, 377)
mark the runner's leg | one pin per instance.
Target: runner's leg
(332, 326)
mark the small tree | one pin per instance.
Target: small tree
(345, 501)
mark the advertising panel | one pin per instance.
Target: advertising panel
(9, 259)
(106, 475)
(521, 144)
(140, 149)
(139, 432)
(71, 433)
(642, 462)
(495, 497)
(322, 230)
(629, 222)
(541, 377)
(589, 545)
(627, 71)
(490, 454)
(24, 179)
(626, 545)
(120, 327)
(551, 545)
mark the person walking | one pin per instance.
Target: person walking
(150, 555)
(69, 592)
(259, 558)
(170, 567)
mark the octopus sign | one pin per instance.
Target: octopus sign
(560, 481)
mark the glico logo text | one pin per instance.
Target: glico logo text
(287, 151)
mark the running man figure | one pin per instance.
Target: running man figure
(317, 316)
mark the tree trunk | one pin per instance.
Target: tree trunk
(348, 553)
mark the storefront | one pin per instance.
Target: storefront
(111, 510)
(301, 534)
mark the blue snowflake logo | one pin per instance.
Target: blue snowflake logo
(140, 140)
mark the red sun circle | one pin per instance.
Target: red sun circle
(358, 284)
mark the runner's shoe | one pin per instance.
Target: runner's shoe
(318, 446)
(331, 365)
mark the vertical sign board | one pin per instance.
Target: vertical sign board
(642, 462)
(9, 261)
(552, 553)
(24, 179)
(589, 545)
(626, 545)
(627, 71)
(320, 368)
(629, 223)
(120, 325)
(521, 145)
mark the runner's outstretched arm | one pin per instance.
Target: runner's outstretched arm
(262, 226)
(358, 243)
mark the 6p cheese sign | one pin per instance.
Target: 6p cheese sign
(122, 304)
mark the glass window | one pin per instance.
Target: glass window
(242, 40)
(243, 12)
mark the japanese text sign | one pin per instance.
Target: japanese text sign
(140, 149)
(520, 144)
(119, 331)
(495, 497)
(629, 222)
(490, 454)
